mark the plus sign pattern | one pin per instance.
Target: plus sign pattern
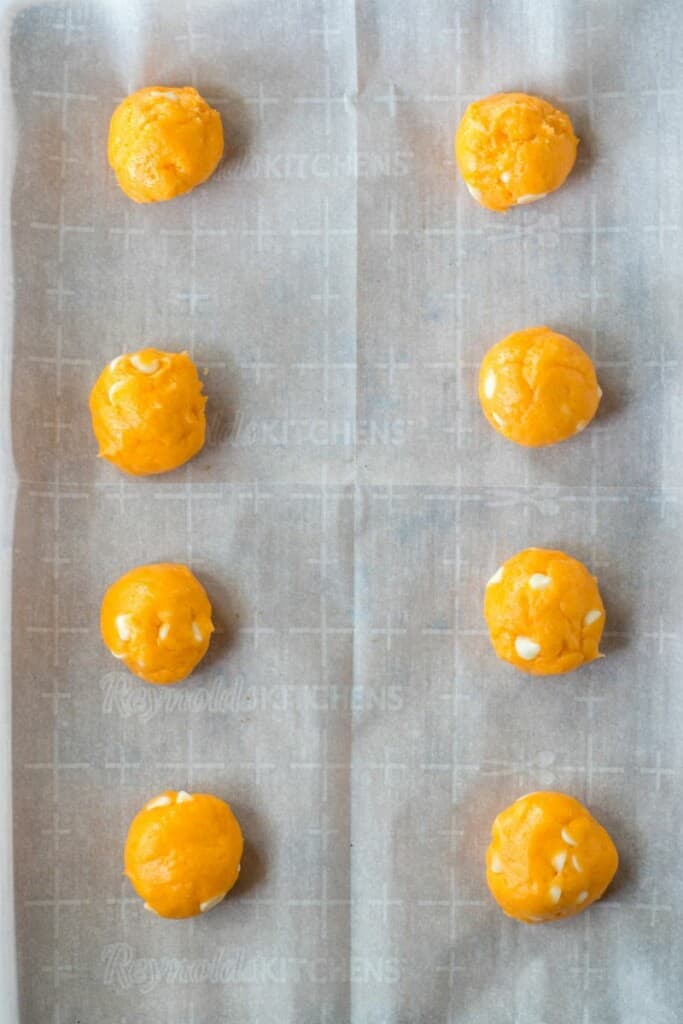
(340, 288)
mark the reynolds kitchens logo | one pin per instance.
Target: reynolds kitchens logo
(124, 696)
(120, 696)
(124, 970)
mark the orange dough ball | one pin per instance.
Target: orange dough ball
(148, 411)
(183, 853)
(544, 612)
(157, 620)
(513, 149)
(548, 858)
(164, 142)
(537, 387)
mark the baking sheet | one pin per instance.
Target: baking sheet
(341, 287)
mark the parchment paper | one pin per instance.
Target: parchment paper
(341, 287)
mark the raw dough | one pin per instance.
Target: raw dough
(548, 858)
(513, 149)
(544, 612)
(157, 620)
(148, 411)
(183, 853)
(164, 142)
(537, 387)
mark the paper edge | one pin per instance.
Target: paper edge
(9, 1000)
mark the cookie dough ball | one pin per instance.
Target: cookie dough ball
(513, 149)
(164, 142)
(537, 387)
(548, 858)
(157, 620)
(544, 612)
(148, 411)
(183, 853)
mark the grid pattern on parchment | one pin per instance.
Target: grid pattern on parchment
(340, 289)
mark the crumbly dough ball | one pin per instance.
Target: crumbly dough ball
(544, 612)
(183, 853)
(548, 858)
(538, 387)
(513, 149)
(148, 411)
(157, 620)
(164, 142)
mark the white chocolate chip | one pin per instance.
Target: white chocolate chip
(474, 192)
(183, 797)
(555, 891)
(496, 578)
(114, 363)
(567, 838)
(505, 177)
(147, 907)
(123, 627)
(575, 862)
(490, 384)
(539, 582)
(169, 95)
(599, 392)
(582, 897)
(143, 367)
(197, 633)
(497, 419)
(591, 617)
(526, 648)
(164, 630)
(209, 904)
(158, 801)
(114, 388)
(496, 864)
(581, 425)
(559, 861)
(524, 200)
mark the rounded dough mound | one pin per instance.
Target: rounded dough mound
(544, 612)
(537, 387)
(183, 853)
(157, 620)
(164, 142)
(148, 411)
(548, 858)
(513, 149)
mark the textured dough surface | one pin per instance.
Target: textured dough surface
(513, 149)
(544, 612)
(147, 411)
(538, 387)
(549, 858)
(183, 853)
(164, 142)
(157, 620)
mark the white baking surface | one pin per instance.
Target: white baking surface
(341, 287)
